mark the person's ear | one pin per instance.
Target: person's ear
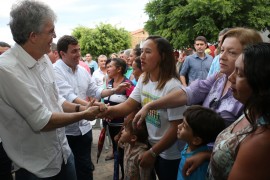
(33, 37)
(62, 53)
(133, 138)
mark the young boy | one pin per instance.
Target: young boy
(200, 127)
(134, 142)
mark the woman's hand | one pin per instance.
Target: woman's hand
(195, 161)
(140, 116)
(123, 86)
(147, 160)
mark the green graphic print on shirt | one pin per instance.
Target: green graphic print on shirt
(153, 117)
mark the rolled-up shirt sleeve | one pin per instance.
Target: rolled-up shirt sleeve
(21, 98)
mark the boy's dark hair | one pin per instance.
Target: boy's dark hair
(201, 38)
(141, 132)
(204, 122)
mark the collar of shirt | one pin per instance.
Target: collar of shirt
(66, 67)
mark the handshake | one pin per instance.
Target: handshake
(94, 110)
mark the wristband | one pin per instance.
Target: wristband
(112, 90)
(153, 154)
(77, 108)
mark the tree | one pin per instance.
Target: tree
(104, 39)
(181, 21)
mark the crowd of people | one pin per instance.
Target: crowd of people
(189, 118)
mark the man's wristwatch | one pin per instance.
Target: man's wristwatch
(153, 154)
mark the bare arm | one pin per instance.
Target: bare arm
(183, 81)
(174, 99)
(147, 160)
(121, 87)
(120, 110)
(253, 158)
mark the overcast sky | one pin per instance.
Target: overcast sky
(128, 14)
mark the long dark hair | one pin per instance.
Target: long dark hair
(256, 60)
(167, 64)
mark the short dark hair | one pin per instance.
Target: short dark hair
(138, 62)
(204, 122)
(140, 132)
(64, 41)
(201, 38)
(120, 63)
(4, 44)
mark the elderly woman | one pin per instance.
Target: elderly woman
(242, 150)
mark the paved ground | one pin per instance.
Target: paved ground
(104, 169)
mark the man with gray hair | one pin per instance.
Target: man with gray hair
(53, 54)
(100, 73)
(31, 110)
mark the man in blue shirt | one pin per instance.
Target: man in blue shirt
(197, 65)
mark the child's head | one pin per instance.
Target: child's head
(130, 134)
(200, 126)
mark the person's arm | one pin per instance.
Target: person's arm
(169, 138)
(195, 161)
(184, 71)
(183, 80)
(253, 158)
(120, 110)
(121, 87)
(174, 99)
(58, 120)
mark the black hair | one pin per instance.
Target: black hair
(137, 51)
(141, 133)
(64, 41)
(4, 44)
(138, 62)
(204, 122)
(256, 59)
(120, 63)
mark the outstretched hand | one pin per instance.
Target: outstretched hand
(123, 86)
(140, 116)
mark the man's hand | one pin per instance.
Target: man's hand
(91, 112)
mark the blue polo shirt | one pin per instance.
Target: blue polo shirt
(195, 67)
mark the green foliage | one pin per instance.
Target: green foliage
(181, 21)
(104, 39)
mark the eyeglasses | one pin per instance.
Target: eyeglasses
(214, 104)
(50, 33)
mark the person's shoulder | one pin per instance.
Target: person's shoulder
(209, 57)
